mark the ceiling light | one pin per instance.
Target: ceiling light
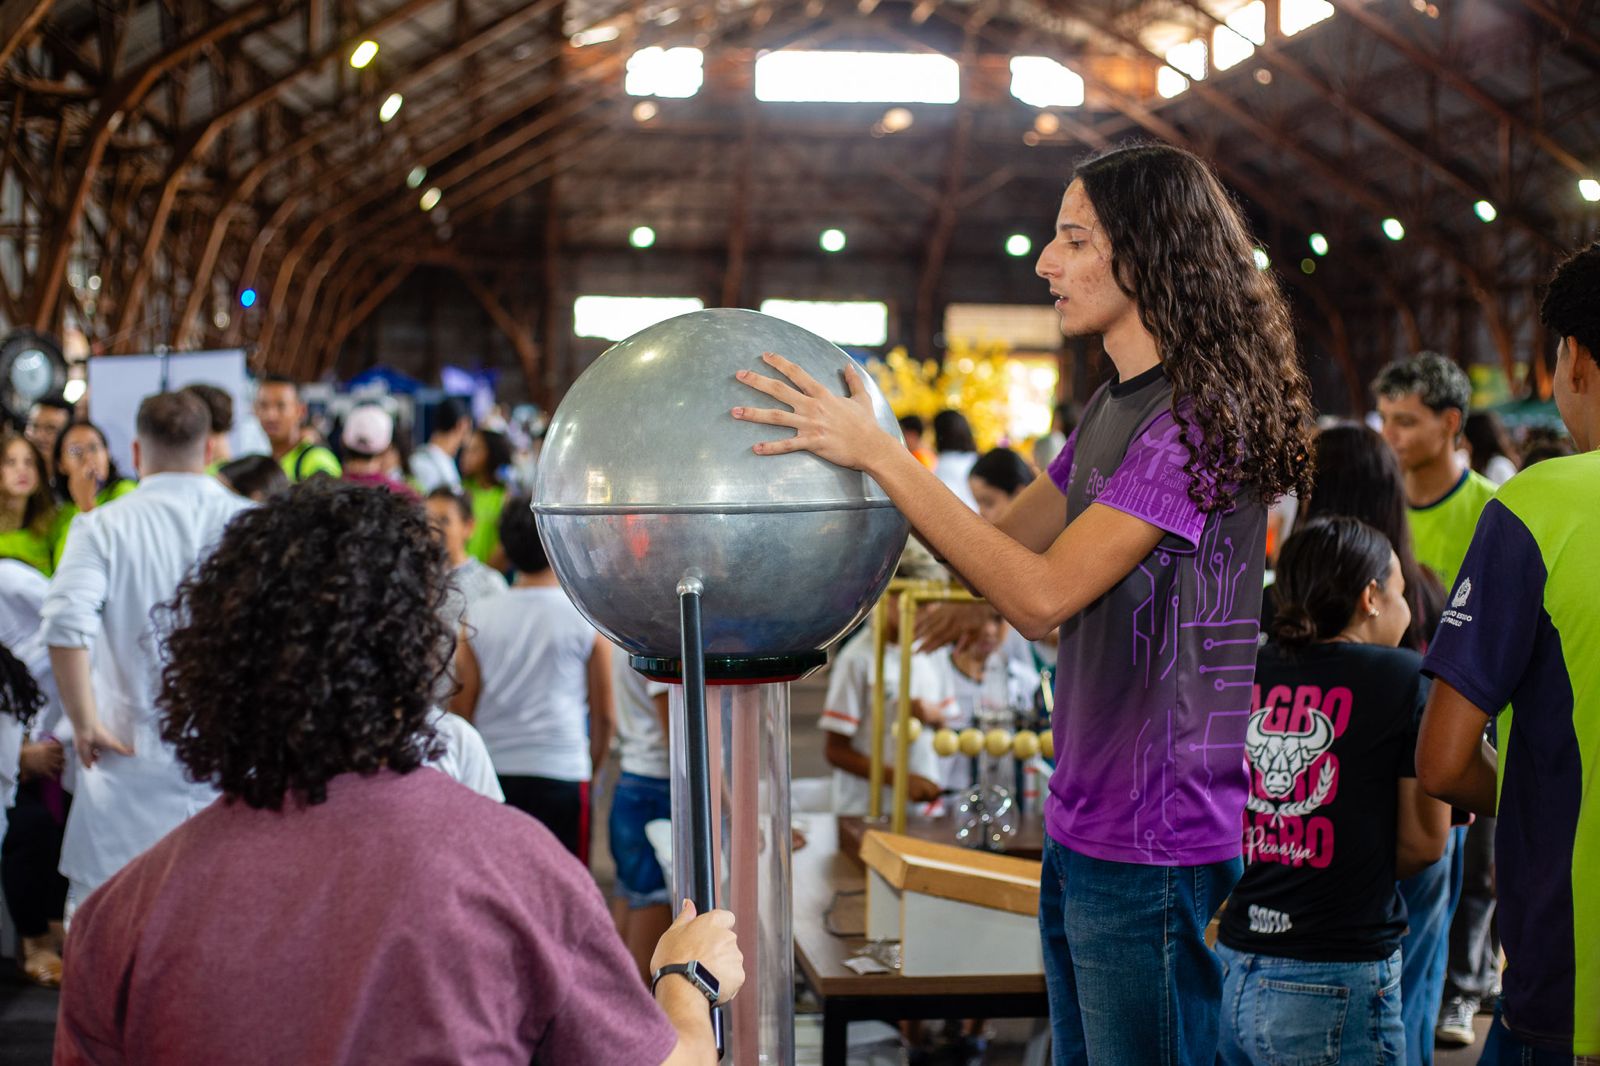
(390, 107)
(430, 199)
(1393, 230)
(1589, 189)
(1018, 245)
(1263, 261)
(642, 237)
(1319, 244)
(1485, 210)
(364, 54)
(832, 240)
(416, 177)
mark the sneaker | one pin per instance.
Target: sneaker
(1455, 1023)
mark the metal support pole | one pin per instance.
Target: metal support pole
(702, 865)
(880, 640)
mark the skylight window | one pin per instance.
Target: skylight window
(1296, 15)
(857, 78)
(1236, 41)
(1189, 58)
(1039, 81)
(614, 318)
(676, 73)
(864, 323)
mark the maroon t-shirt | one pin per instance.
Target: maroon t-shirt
(406, 920)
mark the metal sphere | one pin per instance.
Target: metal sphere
(646, 477)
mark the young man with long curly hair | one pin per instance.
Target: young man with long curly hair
(343, 903)
(1146, 546)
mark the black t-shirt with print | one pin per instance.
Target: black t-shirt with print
(1335, 728)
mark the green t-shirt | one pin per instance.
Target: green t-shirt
(1440, 532)
(69, 510)
(487, 501)
(304, 460)
(30, 546)
(1522, 631)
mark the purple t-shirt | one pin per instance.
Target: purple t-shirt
(1154, 679)
(406, 920)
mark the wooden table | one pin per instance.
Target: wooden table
(820, 873)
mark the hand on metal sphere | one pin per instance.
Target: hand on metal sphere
(840, 429)
(708, 939)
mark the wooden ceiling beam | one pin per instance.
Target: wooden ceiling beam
(118, 101)
(1380, 27)
(195, 141)
(1405, 142)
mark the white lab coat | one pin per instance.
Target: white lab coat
(22, 590)
(123, 559)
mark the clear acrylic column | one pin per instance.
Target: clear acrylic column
(747, 729)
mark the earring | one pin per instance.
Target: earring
(1373, 613)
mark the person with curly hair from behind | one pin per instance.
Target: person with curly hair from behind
(1146, 545)
(342, 902)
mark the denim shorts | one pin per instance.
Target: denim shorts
(1278, 1011)
(636, 802)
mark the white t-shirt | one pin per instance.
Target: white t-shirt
(639, 733)
(849, 705)
(533, 650)
(953, 468)
(468, 583)
(465, 757)
(1500, 470)
(434, 468)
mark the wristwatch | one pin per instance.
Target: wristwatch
(696, 974)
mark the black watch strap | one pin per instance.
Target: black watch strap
(693, 972)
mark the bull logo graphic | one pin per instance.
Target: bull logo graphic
(1282, 757)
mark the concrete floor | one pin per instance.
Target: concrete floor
(27, 1014)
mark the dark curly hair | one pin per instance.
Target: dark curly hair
(1181, 250)
(19, 692)
(1571, 306)
(307, 645)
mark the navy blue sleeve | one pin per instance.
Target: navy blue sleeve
(1486, 636)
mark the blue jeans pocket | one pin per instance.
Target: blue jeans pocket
(1300, 1024)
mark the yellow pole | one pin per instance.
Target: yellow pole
(902, 740)
(880, 639)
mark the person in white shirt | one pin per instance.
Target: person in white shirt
(847, 708)
(450, 515)
(958, 452)
(984, 677)
(535, 680)
(643, 795)
(32, 771)
(123, 560)
(465, 757)
(433, 465)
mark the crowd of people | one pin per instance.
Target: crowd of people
(1358, 729)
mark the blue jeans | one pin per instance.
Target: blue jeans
(1278, 1012)
(636, 802)
(1431, 897)
(1126, 965)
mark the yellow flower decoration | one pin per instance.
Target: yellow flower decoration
(971, 380)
